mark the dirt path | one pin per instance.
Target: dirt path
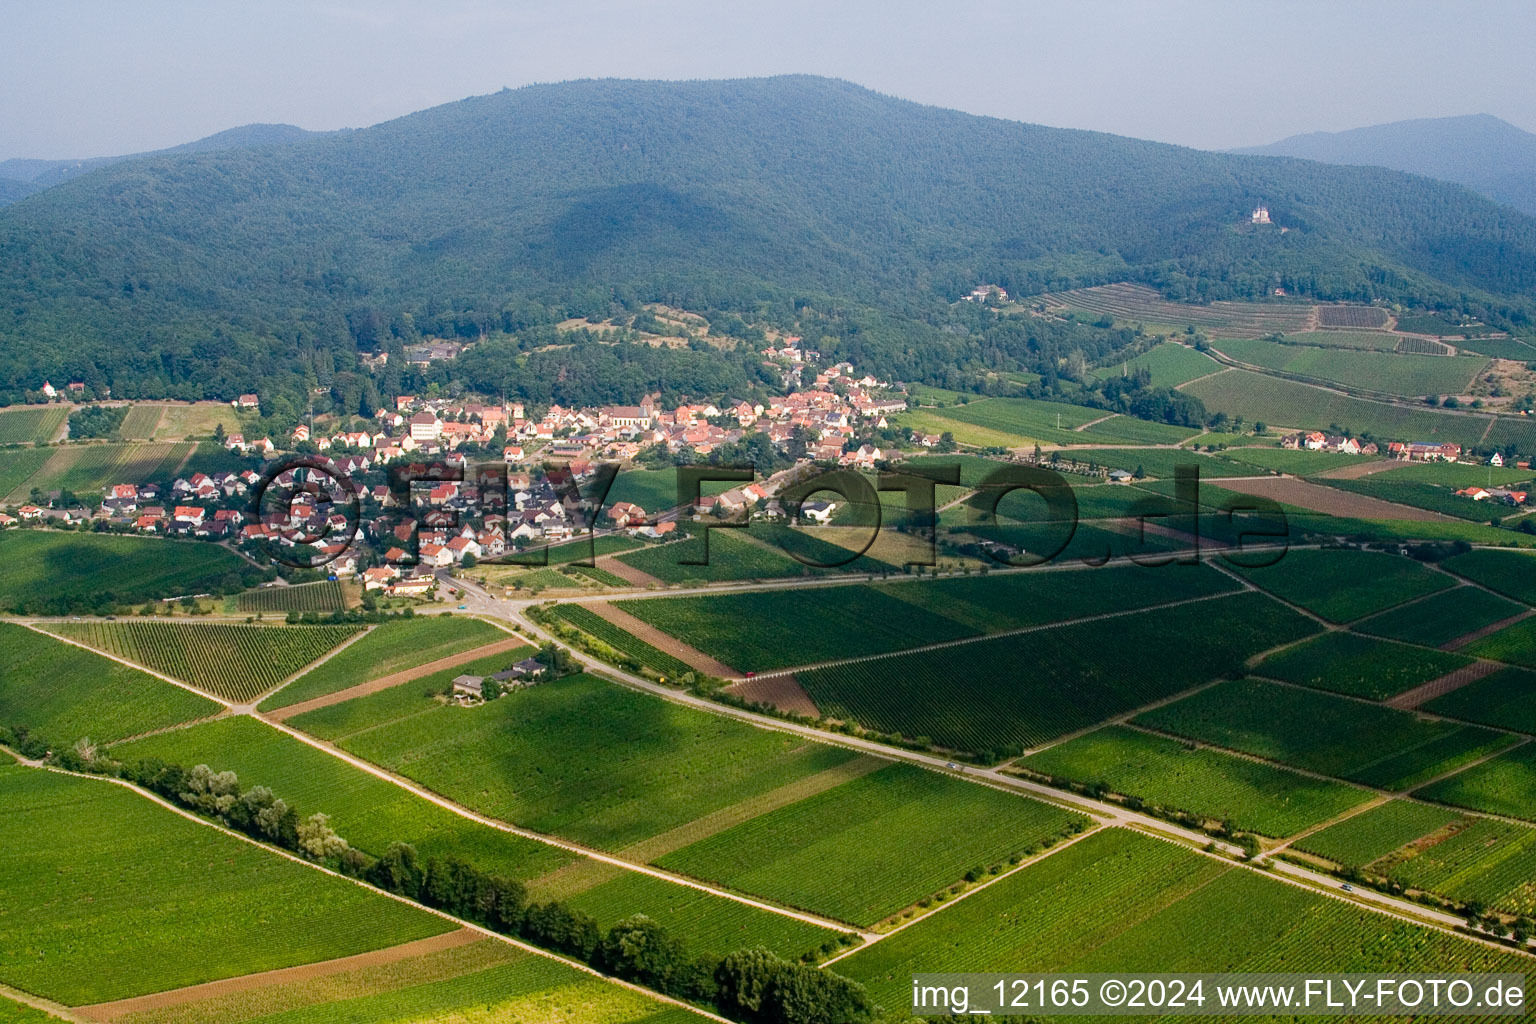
(1445, 684)
(782, 692)
(46, 1006)
(1356, 470)
(691, 656)
(1478, 634)
(396, 678)
(1330, 500)
(285, 976)
(626, 572)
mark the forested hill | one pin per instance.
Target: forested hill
(1479, 151)
(216, 272)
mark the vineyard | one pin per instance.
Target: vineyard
(1422, 346)
(65, 566)
(324, 596)
(140, 422)
(1509, 572)
(1170, 364)
(1434, 497)
(1134, 303)
(1516, 644)
(1319, 732)
(90, 467)
(621, 640)
(587, 760)
(31, 424)
(1367, 837)
(730, 558)
(1504, 785)
(18, 464)
(1215, 785)
(389, 647)
(1344, 585)
(63, 692)
(236, 662)
(1378, 341)
(1493, 862)
(1278, 402)
(1297, 462)
(1441, 617)
(832, 853)
(1027, 419)
(1359, 665)
(153, 924)
(999, 695)
(1405, 375)
(1351, 316)
(1120, 901)
(1506, 700)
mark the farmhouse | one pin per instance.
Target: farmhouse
(473, 686)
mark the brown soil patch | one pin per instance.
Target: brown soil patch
(783, 692)
(1356, 470)
(1444, 685)
(396, 678)
(625, 572)
(1329, 500)
(286, 976)
(691, 656)
(1478, 634)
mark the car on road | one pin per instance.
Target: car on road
(462, 607)
(1348, 887)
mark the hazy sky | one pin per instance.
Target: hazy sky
(81, 78)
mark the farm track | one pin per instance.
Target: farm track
(1356, 470)
(1489, 630)
(625, 571)
(172, 998)
(16, 995)
(392, 680)
(1448, 683)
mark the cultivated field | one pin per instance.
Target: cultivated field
(236, 662)
(730, 558)
(1297, 462)
(389, 647)
(1315, 731)
(1135, 303)
(621, 640)
(1217, 786)
(1026, 420)
(64, 693)
(1359, 666)
(1506, 699)
(1380, 341)
(1119, 901)
(324, 596)
(1504, 785)
(1405, 375)
(1493, 862)
(1344, 585)
(31, 424)
(1337, 500)
(831, 853)
(1509, 572)
(1351, 316)
(1515, 644)
(88, 467)
(1441, 618)
(122, 912)
(1170, 364)
(177, 422)
(996, 696)
(1357, 841)
(17, 466)
(46, 569)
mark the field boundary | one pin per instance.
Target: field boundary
(664, 641)
(1448, 683)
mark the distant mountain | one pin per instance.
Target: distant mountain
(41, 174)
(1479, 151)
(215, 272)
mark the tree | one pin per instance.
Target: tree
(802, 994)
(468, 561)
(744, 978)
(398, 871)
(946, 442)
(640, 950)
(1140, 474)
(318, 840)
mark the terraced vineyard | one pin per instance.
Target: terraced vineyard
(1359, 666)
(236, 662)
(324, 596)
(822, 853)
(1016, 691)
(1213, 784)
(1367, 837)
(1318, 732)
(1135, 303)
(1119, 901)
(1344, 585)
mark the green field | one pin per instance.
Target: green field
(324, 596)
(1155, 462)
(1506, 699)
(1295, 461)
(140, 422)
(1170, 365)
(654, 490)
(1434, 497)
(1456, 474)
(1028, 419)
(31, 423)
(18, 464)
(1359, 666)
(1215, 785)
(1369, 836)
(580, 550)
(64, 693)
(1319, 732)
(236, 662)
(1124, 902)
(832, 853)
(109, 895)
(48, 570)
(1381, 341)
(88, 467)
(389, 647)
(731, 557)
(1344, 585)
(1277, 402)
(1511, 573)
(1003, 694)
(1515, 644)
(1493, 862)
(1503, 785)
(1441, 618)
(645, 765)
(585, 619)
(1405, 375)
(20, 1013)
(1139, 304)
